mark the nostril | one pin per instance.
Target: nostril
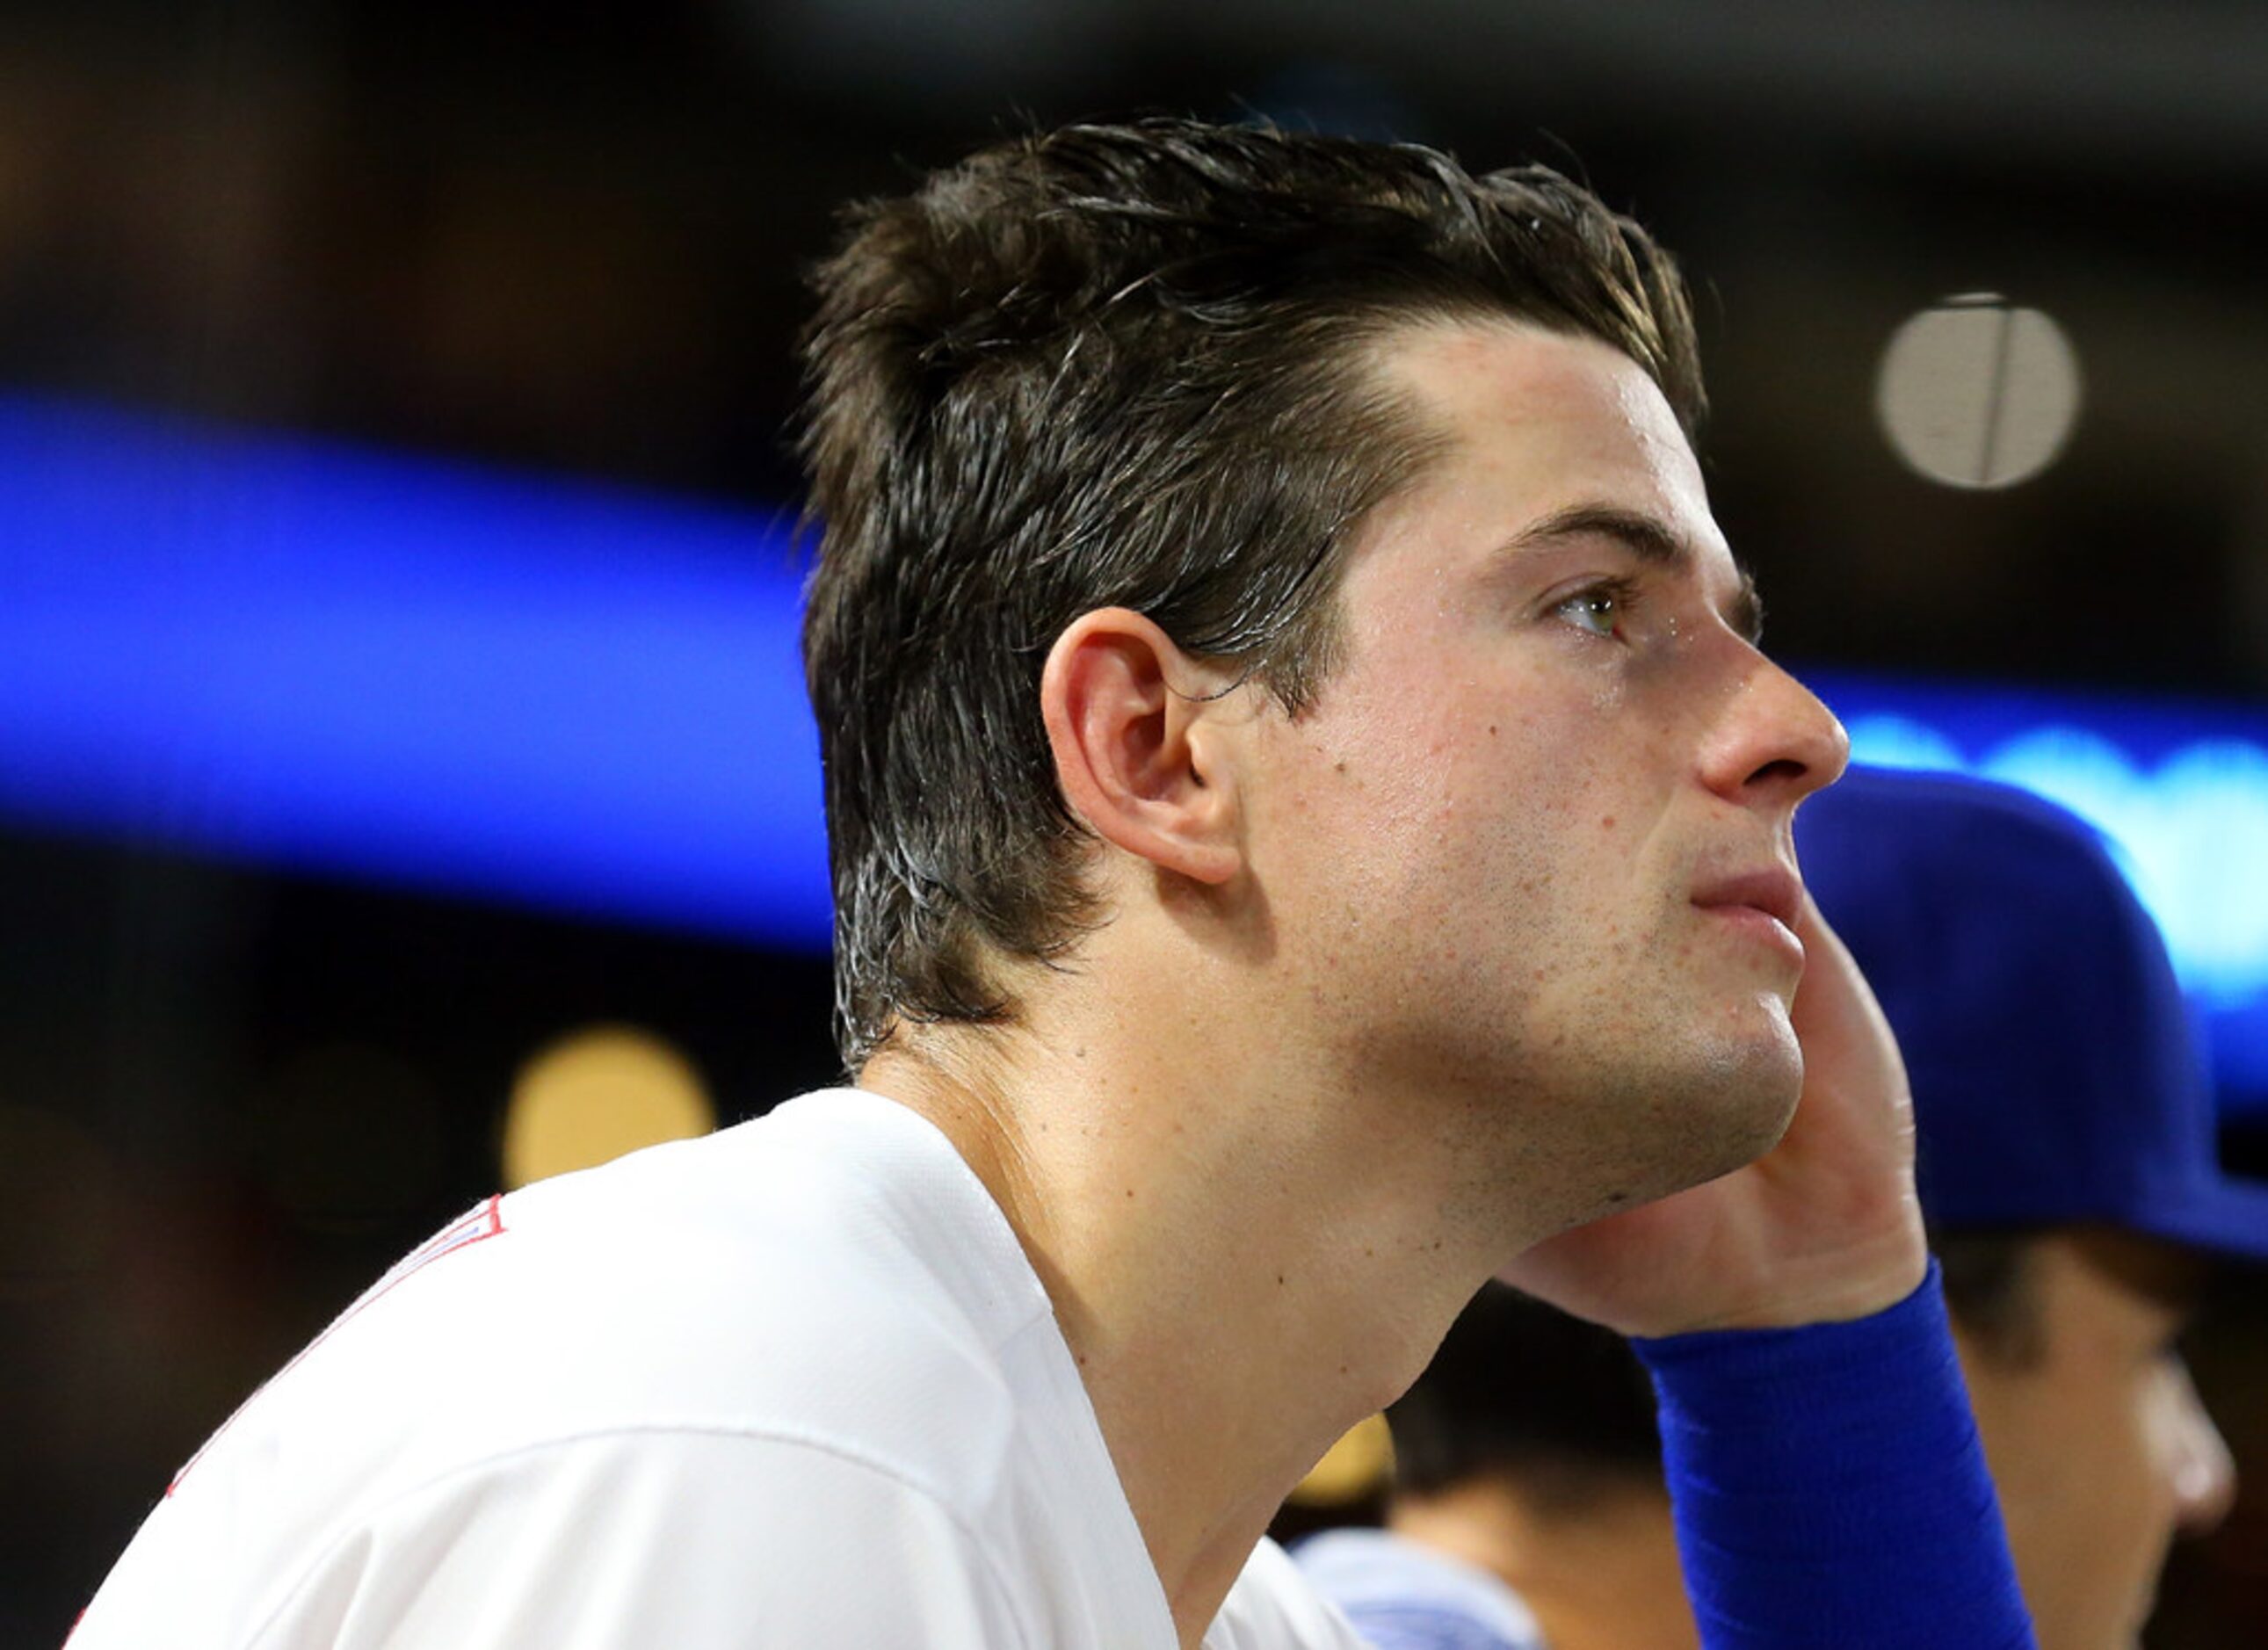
(1780, 768)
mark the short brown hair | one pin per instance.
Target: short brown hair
(1120, 365)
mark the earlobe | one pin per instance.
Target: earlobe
(1136, 755)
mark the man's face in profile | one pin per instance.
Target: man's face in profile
(2096, 1440)
(1534, 835)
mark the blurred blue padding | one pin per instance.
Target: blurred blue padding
(310, 656)
(588, 700)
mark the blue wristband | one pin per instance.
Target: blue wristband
(1829, 1487)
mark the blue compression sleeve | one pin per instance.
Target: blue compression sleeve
(1829, 1490)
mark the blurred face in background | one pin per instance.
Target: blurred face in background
(2101, 1451)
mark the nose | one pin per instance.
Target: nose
(1774, 741)
(2203, 1473)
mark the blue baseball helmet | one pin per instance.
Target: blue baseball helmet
(2058, 1077)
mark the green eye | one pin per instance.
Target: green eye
(1595, 611)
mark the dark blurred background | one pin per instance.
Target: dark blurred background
(563, 240)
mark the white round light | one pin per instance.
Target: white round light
(1977, 392)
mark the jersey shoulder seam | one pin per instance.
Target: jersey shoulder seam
(866, 1461)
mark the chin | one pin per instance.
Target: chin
(1690, 1115)
(1742, 1090)
(1763, 1120)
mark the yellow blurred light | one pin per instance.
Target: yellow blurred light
(590, 1097)
(1358, 1465)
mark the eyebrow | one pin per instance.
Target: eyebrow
(1653, 540)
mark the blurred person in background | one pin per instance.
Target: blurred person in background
(1310, 823)
(2067, 1173)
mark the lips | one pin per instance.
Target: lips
(1774, 890)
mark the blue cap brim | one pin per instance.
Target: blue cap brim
(2228, 1218)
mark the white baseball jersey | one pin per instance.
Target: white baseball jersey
(793, 1384)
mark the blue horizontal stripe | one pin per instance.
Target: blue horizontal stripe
(587, 699)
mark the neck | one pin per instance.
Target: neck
(1238, 1260)
(1600, 1575)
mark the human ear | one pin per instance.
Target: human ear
(1136, 744)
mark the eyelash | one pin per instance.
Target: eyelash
(1620, 592)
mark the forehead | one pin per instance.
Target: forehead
(1527, 432)
(1531, 422)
